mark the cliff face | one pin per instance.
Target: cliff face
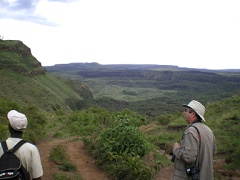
(24, 81)
(16, 56)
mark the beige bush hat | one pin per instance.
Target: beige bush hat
(17, 120)
(197, 107)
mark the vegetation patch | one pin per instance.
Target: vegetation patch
(59, 157)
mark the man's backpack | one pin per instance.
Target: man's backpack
(10, 165)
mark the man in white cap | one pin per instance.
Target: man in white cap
(193, 158)
(27, 153)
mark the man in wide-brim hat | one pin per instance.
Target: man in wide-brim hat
(194, 156)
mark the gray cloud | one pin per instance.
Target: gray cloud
(28, 18)
(22, 10)
(29, 5)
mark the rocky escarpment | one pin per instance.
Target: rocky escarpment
(16, 56)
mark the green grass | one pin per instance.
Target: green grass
(135, 93)
(59, 157)
(61, 176)
(45, 91)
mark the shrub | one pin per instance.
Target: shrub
(121, 149)
(124, 138)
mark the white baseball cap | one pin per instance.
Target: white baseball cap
(17, 120)
(197, 107)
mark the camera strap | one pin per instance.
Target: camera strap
(199, 139)
(199, 136)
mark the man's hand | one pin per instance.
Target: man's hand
(176, 145)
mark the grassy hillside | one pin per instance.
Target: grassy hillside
(26, 86)
(24, 81)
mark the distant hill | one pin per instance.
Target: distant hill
(97, 66)
(109, 67)
(23, 80)
(150, 89)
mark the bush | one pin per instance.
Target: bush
(124, 138)
(121, 149)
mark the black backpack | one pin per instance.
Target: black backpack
(10, 165)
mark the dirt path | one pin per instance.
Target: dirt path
(76, 154)
(84, 163)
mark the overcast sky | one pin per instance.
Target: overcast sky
(186, 33)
